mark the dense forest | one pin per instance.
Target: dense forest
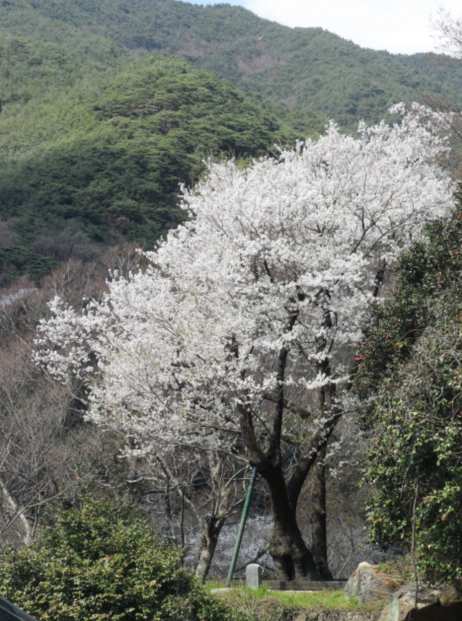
(103, 161)
(95, 138)
(308, 68)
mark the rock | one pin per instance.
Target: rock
(385, 615)
(367, 586)
(220, 591)
(433, 604)
(403, 602)
(449, 595)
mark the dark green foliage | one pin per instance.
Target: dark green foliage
(94, 143)
(30, 67)
(101, 561)
(428, 279)
(16, 261)
(105, 160)
(409, 379)
(304, 67)
(439, 69)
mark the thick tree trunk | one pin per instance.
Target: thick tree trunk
(292, 559)
(318, 517)
(291, 556)
(319, 506)
(208, 545)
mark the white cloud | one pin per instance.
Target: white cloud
(395, 25)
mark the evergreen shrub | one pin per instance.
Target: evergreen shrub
(102, 561)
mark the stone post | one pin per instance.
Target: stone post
(253, 574)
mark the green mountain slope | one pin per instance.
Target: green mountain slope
(96, 135)
(308, 68)
(440, 69)
(103, 161)
(31, 68)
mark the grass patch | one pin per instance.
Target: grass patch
(250, 601)
(315, 599)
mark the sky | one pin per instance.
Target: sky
(399, 26)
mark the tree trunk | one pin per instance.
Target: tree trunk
(292, 558)
(318, 517)
(319, 511)
(208, 545)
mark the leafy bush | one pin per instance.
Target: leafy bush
(101, 561)
(410, 382)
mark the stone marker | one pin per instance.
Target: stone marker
(253, 575)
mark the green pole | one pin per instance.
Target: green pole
(241, 528)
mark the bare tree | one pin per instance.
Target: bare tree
(37, 450)
(192, 494)
(448, 30)
(47, 451)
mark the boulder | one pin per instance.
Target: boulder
(433, 604)
(367, 586)
(449, 595)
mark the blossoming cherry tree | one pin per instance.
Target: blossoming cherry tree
(246, 311)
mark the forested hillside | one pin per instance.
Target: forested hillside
(102, 162)
(96, 136)
(307, 68)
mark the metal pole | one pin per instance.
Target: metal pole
(241, 528)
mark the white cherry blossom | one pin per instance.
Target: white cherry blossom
(251, 304)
